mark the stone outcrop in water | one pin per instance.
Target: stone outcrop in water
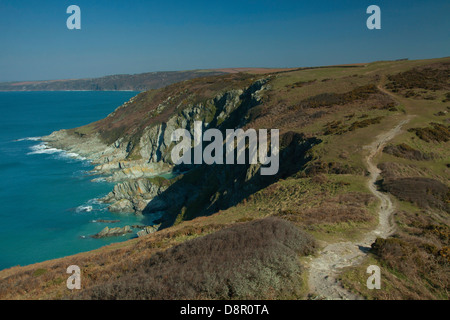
(113, 232)
(119, 231)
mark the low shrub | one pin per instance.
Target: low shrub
(330, 99)
(405, 151)
(436, 132)
(425, 78)
(424, 192)
(253, 260)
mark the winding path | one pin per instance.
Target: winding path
(325, 267)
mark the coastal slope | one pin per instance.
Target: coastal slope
(363, 148)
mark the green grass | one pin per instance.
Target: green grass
(39, 272)
(355, 279)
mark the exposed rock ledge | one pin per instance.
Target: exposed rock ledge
(148, 230)
(112, 232)
(134, 195)
(120, 231)
(109, 160)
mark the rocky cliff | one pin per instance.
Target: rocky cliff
(132, 145)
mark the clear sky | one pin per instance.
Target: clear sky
(141, 36)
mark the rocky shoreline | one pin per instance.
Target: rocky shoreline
(136, 162)
(133, 195)
(136, 182)
(135, 188)
(120, 231)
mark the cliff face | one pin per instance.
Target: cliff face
(142, 150)
(207, 189)
(134, 195)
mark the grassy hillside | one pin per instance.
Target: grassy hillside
(326, 116)
(133, 82)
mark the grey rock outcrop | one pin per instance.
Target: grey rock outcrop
(113, 232)
(122, 206)
(133, 195)
(148, 230)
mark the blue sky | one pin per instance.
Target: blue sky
(142, 36)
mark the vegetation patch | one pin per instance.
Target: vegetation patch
(364, 123)
(422, 78)
(337, 127)
(331, 99)
(407, 152)
(253, 260)
(424, 192)
(447, 97)
(436, 132)
(300, 84)
(414, 264)
(39, 272)
(349, 207)
(160, 181)
(322, 167)
(424, 260)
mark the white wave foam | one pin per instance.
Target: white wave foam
(92, 205)
(43, 148)
(84, 209)
(70, 155)
(94, 201)
(29, 139)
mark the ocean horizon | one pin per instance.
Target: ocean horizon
(48, 206)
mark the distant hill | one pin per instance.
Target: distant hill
(135, 82)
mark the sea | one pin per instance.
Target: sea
(48, 206)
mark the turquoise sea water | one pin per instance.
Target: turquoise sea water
(46, 196)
